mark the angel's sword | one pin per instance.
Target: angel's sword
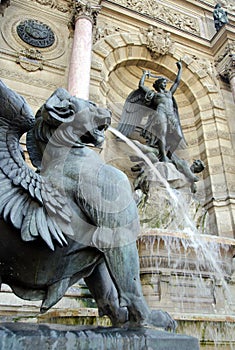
(150, 75)
(153, 76)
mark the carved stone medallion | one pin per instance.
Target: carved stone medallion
(36, 33)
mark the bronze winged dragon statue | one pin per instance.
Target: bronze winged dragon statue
(73, 216)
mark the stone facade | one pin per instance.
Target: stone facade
(129, 36)
(122, 49)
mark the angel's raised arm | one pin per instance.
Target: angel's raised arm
(178, 77)
(142, 80)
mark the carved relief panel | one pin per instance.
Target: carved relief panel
(167, 14)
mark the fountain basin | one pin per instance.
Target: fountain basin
(179, 278)
(185, 273)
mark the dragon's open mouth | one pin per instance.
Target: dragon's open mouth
(96, 135)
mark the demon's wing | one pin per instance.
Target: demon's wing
(134, 110)
(27, 200)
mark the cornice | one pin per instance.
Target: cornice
(222, 38)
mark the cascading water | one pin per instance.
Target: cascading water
(200, 265)
(205, 253)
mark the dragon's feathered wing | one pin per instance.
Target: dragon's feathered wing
(134, 110)
(27, 200)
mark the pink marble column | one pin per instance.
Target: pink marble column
(80, 63)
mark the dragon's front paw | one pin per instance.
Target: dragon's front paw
(162, 319)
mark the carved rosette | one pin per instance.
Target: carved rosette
(158, 41)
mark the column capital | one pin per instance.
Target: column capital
(228, 71)
(84, 9)
(225, 63)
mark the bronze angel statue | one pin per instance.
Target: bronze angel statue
(162, 129)
(71, 217)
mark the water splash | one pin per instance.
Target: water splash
(208, 253)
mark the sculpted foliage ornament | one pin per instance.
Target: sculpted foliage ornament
(157, 41)
(83, 9)
(228, 4)
(75, 217)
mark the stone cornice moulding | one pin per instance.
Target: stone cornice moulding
(223, 46)
(226, 32)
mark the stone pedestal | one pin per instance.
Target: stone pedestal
(23, 336)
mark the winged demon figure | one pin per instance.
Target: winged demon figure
(74, 217)
(162, 129)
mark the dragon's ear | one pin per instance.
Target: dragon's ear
(63, 113)
(58, 108)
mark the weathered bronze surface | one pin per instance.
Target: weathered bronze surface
(74, 217)
(162, 129)
(220, 17)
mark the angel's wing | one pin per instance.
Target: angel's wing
(28, 201)
(134, 110)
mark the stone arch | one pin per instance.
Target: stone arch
(126, 51)
(126, 48)
(117, 65)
